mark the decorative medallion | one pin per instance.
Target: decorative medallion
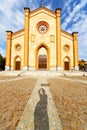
(18, 47)
(66, 47)
(42, 27)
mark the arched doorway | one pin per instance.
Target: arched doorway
(17, 63)
(66, 63)
(42, 62)
(42, 57)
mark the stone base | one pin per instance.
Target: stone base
(53, 68)
(12, 68)
(60, 68)
(31, 68)
(76, 68)
(25, 68)
(7, 68)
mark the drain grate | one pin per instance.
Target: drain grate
(45, 84)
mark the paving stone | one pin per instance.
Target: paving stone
(40, 112)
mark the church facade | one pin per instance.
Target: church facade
(42, 44)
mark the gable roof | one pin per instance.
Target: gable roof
(42, 10)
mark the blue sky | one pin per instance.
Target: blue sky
(73, 18)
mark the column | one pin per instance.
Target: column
(58, 39)
(26, 39)
(75, 51)
(8, 50)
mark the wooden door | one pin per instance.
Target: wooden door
(17, 65)
(42, 62)
(66, 65)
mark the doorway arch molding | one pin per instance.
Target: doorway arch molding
(48, 55)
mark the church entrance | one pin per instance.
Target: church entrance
(42, 58)
(17, 63)
(66, 63)
(42, 62)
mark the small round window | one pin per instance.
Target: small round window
(66, 47)
(18, 47)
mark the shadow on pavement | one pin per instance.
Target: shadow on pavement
(41, 120)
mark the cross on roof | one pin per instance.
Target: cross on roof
(42, 3)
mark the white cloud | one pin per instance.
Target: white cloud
(77, 21)
(83, 46)
(67, 7)
(49, 5)
(67, 4)
(74, 13)
(33, 4)
(11, 18)
(2, 52)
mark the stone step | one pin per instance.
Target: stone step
(42, 73)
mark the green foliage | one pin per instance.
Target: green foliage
(82, 64)
(2, 63)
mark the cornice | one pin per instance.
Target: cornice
(66, 34)
(42, 9)
(17, 34)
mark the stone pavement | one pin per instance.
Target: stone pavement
(62, 77)
(40, 112)
(73, 80)
(13, 79)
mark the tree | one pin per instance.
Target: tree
(2, 63)
(81, 66)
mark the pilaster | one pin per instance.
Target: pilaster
(26, 39)
(58, 38)
(75, 50)
(8, 49)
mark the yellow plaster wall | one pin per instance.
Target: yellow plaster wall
(39, 38)
(65, 39)
(17, 39)
(42, 38)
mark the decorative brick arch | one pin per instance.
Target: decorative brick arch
(48, 55)
(16, 57)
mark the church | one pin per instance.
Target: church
(42, 44)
